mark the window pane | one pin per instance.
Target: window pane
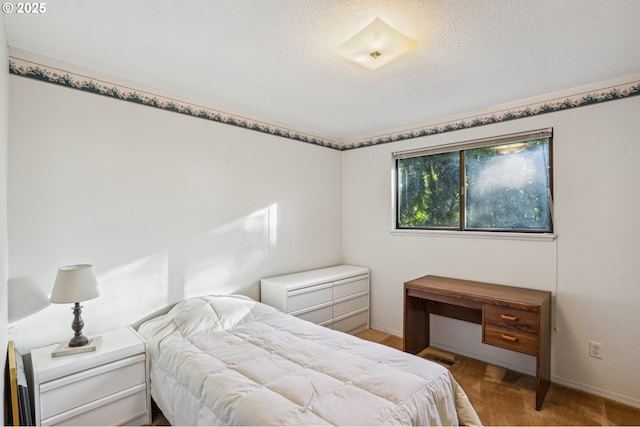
(507, 187)
(429, 191)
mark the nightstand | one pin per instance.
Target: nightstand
(109, 386)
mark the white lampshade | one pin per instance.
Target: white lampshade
(75, 283)
(375, 45)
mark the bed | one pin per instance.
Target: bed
(229, 360)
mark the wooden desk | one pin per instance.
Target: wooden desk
(517, 319)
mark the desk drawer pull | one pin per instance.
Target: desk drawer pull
(507, 317)
(509, 338)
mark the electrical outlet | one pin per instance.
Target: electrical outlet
(595, 349)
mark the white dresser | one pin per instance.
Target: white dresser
(335, 297)
(108, 386)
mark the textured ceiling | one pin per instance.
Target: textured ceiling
(272, 60)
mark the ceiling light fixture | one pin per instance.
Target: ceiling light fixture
(375, 45)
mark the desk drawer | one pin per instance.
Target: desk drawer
(517, 341)
(511, 328)
(511, 318)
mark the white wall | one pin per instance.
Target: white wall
(4, 125)
(168, 206)
(598, 243)
(164, 206)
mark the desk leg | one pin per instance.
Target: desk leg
(416, 324)
(543, 359)
(542, 385)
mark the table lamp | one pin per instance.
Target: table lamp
(74, 284)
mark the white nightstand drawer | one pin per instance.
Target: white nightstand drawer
(350, 286)
(120, 408)
(309, 297)
(87, 386)
(347, 305)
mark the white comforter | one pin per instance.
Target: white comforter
(233, 361)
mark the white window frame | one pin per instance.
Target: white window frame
(477, 143)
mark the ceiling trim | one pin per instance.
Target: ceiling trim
(48, 74)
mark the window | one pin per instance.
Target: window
(497, 184)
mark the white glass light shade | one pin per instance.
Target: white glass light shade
(375, 45)
(75, 283)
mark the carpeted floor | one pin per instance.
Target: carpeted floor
(503, 397)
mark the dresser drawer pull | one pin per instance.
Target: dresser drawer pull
(509, 338)
(507, 317)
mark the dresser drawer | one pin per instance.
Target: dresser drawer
(347, 305)
(352, 323)
(75, 390)
(320, 315)
(510, 328)
(350, 286)
(308, 297)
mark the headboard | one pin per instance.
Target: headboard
(159, 312)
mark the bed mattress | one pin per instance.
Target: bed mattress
(229, 360)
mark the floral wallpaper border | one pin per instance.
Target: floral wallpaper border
(579, 100)
(56, 76)
(53, 75)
